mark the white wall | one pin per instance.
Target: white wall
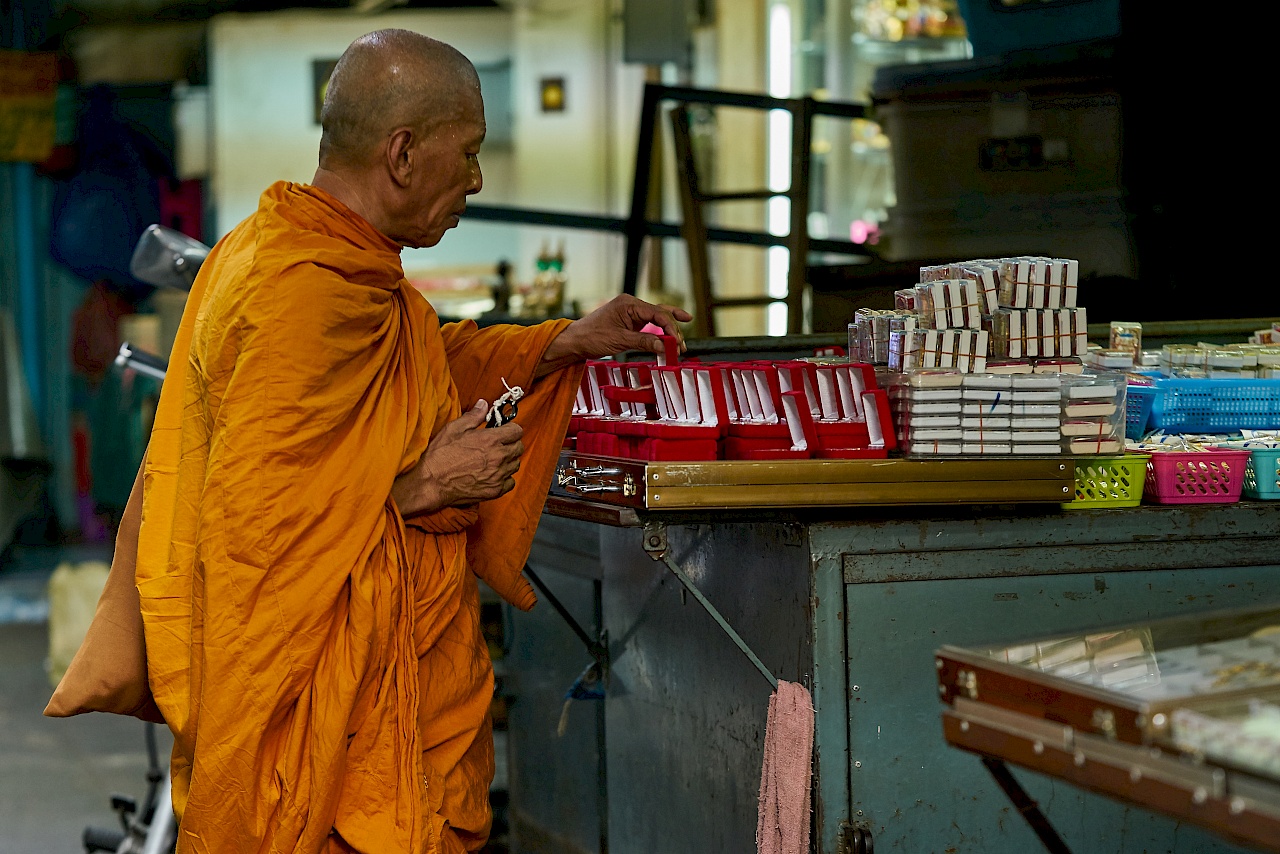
(264, 130)
(135, 53)
(582, 159)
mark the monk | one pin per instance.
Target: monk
(320, 496)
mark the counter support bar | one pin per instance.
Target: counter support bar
(1029, 809)
(655, 543)
(598, 648)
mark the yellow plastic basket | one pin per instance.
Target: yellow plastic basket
(1114, 481)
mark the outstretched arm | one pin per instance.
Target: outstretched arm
(612, 329)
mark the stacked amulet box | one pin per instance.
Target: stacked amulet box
(948, 413)
(984, 359)
(1093, 413)
(967, 315)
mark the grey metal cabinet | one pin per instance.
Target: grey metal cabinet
(854, 605)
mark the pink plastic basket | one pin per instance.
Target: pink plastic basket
(1195, 477)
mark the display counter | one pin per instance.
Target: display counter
(853, 603)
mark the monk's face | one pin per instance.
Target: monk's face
(452, 159)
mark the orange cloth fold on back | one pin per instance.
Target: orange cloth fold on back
(319, 662)
(109, 671)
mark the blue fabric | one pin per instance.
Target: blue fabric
(588, 685)
(99, 214)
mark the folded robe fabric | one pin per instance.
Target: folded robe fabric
(296, 629)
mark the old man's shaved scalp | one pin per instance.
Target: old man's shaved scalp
(386, 80)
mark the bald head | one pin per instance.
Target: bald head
(386, 80)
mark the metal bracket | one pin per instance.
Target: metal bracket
(655, 544)
(655, 539)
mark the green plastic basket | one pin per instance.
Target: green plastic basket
(1262, 475)
(1114, 481)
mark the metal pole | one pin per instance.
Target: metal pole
(636, 228)
(594, 646)
(602, 741)
(802, 113)
(160, 833)
(1029, 809)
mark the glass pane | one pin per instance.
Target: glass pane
(1165, 660)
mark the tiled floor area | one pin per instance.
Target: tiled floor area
(56, 776)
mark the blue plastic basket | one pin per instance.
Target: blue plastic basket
(1137, 410)
(1214, 406)
(1262, 475)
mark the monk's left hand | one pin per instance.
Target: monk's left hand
(611, 329)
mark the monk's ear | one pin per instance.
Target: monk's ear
(399, 154)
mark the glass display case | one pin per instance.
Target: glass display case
(1180, 715)
(839, 46)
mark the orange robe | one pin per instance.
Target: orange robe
(318, 658)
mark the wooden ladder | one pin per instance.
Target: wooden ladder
(693, 199)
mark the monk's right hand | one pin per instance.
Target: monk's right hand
(464, 464)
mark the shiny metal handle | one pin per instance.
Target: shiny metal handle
(570, 473)
(595, 479)
(589, 488)
(598, 471)
(147, 364)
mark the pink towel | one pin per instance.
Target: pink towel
(783, 823)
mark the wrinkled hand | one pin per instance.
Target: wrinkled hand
(612, 329)
(464, 464)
